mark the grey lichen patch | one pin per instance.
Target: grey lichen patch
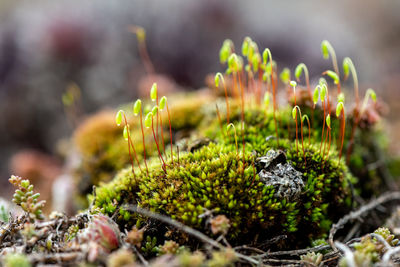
(276, 171)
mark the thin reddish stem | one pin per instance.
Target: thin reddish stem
(352, 134)
(219, 120)
(130, 143)
(329, 146)
(274, 103)
(343, 132)
(144, 143)
(323, 128)
(302, 142)
(235, 85)
(242, 98)
(144, 55)
(227, 102)
(297, 142)
(259, 86)
(158, 148)
(162, 136)
(158, 139)
(170, 133)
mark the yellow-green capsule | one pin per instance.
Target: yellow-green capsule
(298, 71)
(153, 92)
(126, 132)
(148, 120)
(333, 75)
(324, 49)
(339, 108)
(163, 102)
(294, 113)
(245, 46)
(316, 94)
(323, 92)
(118, 117)
(137, 107)
(328, 120)
(346, 67)
(154, 111)
(266, 54)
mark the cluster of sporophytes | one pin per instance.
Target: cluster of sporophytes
(103, 150)
(271, 170)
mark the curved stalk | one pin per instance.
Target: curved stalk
(294, 114)
(299, 70)
(268, 56)
(327, 49)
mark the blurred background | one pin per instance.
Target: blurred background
(47, 45)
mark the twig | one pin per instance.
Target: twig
(296, 252)
(348, 254)
(245, 247)
(199, 235)
(284, 262)
(387, 197)
(386, 257)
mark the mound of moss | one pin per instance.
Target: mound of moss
(272, 190)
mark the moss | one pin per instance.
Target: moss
(215, 178)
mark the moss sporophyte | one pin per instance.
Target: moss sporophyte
(238, 159)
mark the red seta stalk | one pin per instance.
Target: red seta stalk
(273, 83)
(144, 143)
(219, 120)
(329, 128)
(170, 133)
(158, 147)
(242, 114)
(343, 131)
(130, 144)
(226, 101)
(323, 126)
(329, 146)
(144, 55)
(162, 136)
